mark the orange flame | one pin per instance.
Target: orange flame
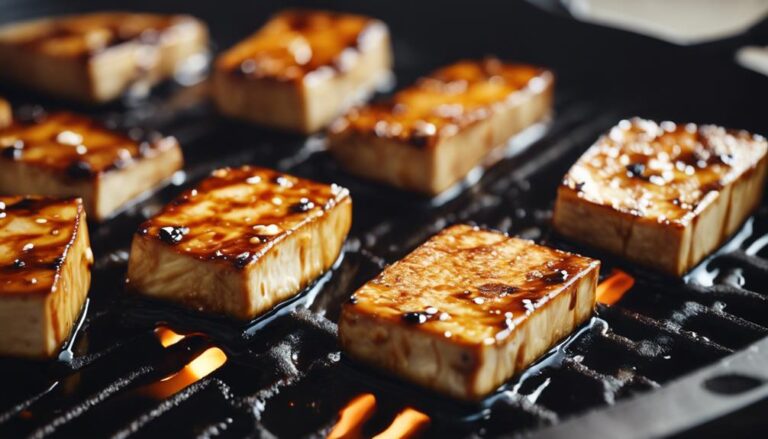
(409, 423)
(167, 336)
(197, 369)
(353, 416)
(613, 288)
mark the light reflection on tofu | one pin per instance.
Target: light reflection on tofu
(302, 69)
(664, 195)
(432, 134)
(45, 262)
(244, 240)
(98, 57)
(65, 154)
(467, 310)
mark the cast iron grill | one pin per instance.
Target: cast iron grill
(284, 375)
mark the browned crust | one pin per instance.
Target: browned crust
(67, 246)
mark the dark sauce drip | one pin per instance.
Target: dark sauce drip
(420, 317)
(171, 234)
(304, 205)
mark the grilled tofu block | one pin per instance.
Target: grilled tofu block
(303, 69)
(64, 154)
(241, 242)
(5, 113)
(98, 57)
(430, 135)
(467, 310)
(662, 195)
(45, 272)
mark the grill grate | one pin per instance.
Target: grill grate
(284, 375)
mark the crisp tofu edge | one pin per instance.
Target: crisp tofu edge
(105, 194)
(474, 370)
(303, 107)
(53, 313)
(433, 170)
(244, 290)
(671, 248)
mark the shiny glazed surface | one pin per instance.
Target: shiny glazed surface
(238, 214)
(75, 145)
(663, 171)
(470, 285)
(298, 45)
(444, 102)
(89, 34)
(35, 235)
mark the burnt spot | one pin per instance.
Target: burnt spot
(56, 263)
(578, 186)
(304, 205)
(18, 264)
(556, 277)
(242, 259)
(415, 318)
(13, 151)
(352, 300)
(79, 169)
(172, 235)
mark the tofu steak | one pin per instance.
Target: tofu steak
(45, 263)
(467, 310)
(664, 195)
(244, 240)
(65, 154)
(432, 134)
(303, 69)
(97, 57)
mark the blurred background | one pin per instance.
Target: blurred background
(649, 77)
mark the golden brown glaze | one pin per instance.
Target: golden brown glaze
(470, 285)
(297, 43)
(35, 235)
(88, 34)
(444, 102)
(75, 145)
(238, 214)
(663, 172)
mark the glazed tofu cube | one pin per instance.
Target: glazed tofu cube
(303, 69)
(97, 57)
(45, 272)
(5, 113)
(241, 242)
(64, 154)
(467, 310)
(662, 195)
(431, 135)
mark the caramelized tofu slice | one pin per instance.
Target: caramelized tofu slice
(241, 242)
(662, 195)
(5, 113)
(467, 310)
(45, 272)
(98, 57)
(64, 154)
(303, 69)
(432, 134)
